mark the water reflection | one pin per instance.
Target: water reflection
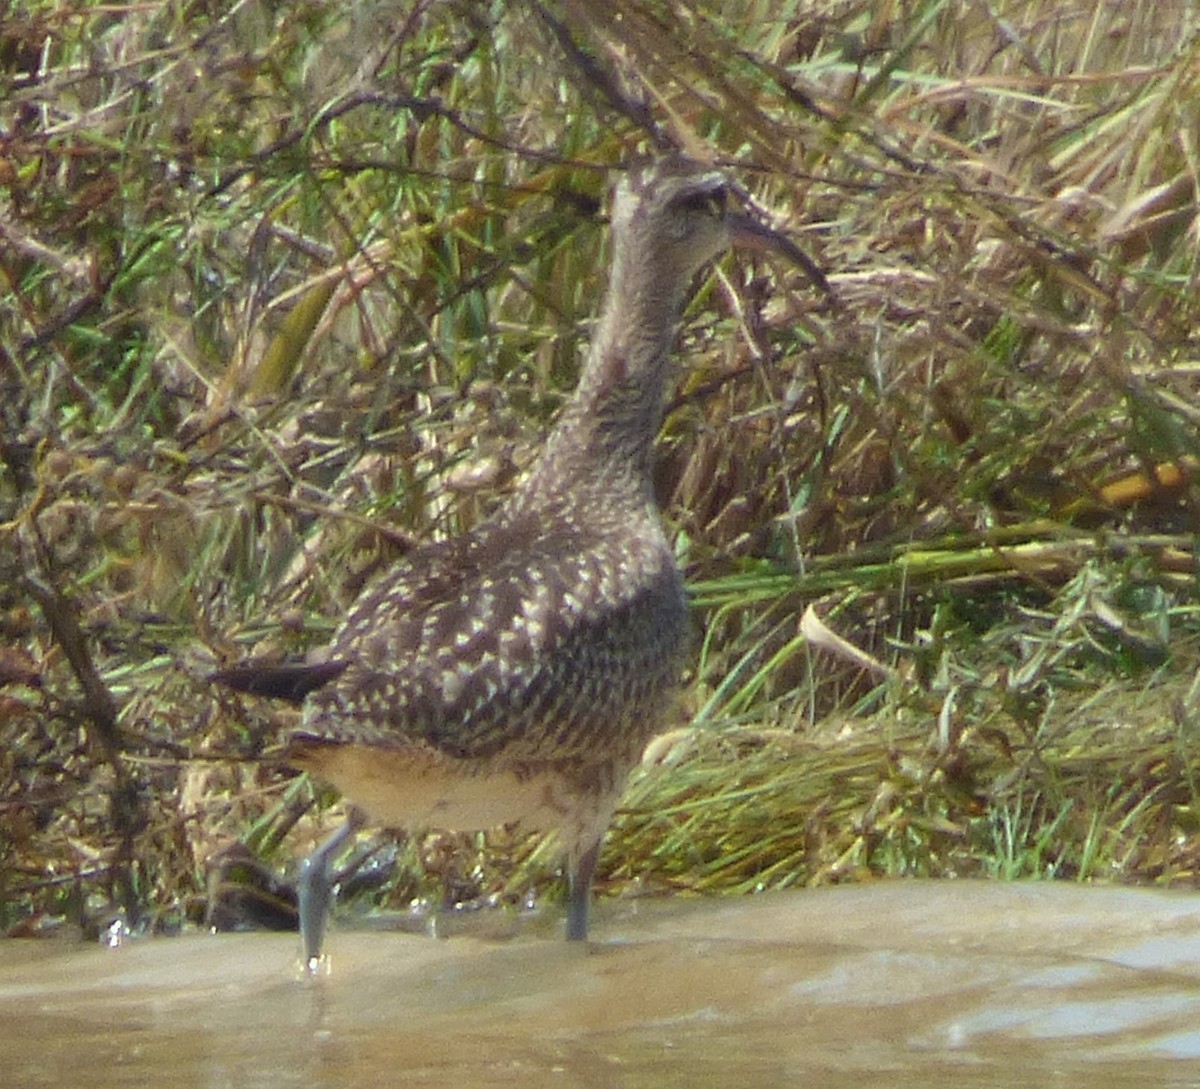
(909, 984)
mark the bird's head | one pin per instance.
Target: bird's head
(674, 215)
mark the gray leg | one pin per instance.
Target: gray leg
(579, 892)
(315, 888)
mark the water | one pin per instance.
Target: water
(912, 984)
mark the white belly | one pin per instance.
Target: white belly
(406, 790)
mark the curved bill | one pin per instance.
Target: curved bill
(748, 232)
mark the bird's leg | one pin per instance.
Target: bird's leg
(579, 892)
(315, 888)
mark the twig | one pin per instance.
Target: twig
(100, 708)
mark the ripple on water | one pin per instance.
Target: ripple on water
(921, 985)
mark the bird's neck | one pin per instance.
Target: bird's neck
(608, 428)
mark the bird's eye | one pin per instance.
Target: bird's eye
(707, 201)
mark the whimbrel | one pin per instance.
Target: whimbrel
(515, 673)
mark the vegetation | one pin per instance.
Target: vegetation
(288, 285)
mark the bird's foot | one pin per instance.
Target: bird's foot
(316, 890)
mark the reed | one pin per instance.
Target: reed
(285, 288)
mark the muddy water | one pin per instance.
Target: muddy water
(900, 985)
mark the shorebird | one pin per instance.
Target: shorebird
(514, 674)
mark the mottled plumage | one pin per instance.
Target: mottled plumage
(526, 640)
(516, 672)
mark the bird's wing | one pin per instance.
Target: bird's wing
(278, 682)
(512, 641)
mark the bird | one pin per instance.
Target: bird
(514, 674)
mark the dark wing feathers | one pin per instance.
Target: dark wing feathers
(513, 640)
(280, 682)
